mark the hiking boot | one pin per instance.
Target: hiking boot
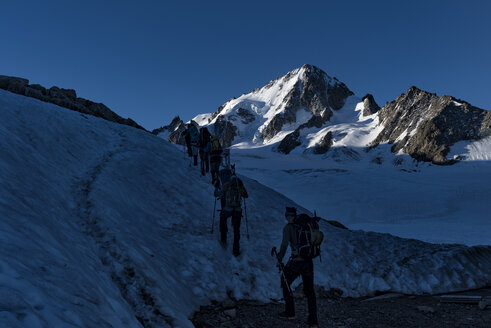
(285, 315)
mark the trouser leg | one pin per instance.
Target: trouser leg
(290, 274)
(202, 158)
(308, 289)
(236, 218)
(207, 162)
(223, 226)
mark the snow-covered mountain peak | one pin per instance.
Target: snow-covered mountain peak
(302, 98)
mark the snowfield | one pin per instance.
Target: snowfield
(104, 225)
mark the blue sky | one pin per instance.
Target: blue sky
(152, 60)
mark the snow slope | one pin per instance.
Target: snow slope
(104, 225)
(377, 191)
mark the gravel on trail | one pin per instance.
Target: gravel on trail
(391, 310)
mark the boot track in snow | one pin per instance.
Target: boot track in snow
(132, 283)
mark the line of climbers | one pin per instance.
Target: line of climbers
(301, 232)
(201, 142)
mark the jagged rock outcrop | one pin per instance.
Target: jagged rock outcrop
(176, 121)
(246, 115)
(174, 130)
(424, 125)
(316, 92)
(370, 107)
(66, 98)
(226, 130)
(293, 140)
(324, 145)
(290, 142)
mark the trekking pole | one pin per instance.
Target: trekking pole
(247, 224)
(281, 267)
(214, 211)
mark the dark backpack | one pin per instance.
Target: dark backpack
(194, 133)
(309, 237)
(233, 197)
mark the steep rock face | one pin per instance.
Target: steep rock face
(316, 92)
(424, 125)
(293, 140)
(174, 130)
(176, 121)
(226, 130)
(62, 97)
(324, 145)
(370, 106)
(290, 142)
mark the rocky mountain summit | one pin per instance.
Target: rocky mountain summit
(424, 125)
(302, 99)
(66, 98)
(308, 111)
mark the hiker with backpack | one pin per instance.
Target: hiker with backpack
(187, 139)
(215, 158)
(232, 193)
(194, 136)
(204, 149)
(303, 235)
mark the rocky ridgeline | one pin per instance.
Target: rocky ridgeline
(424, 125)
(66, 98)
(316, 92)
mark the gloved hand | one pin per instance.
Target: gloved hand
(218, 193)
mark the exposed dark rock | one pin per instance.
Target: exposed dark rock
(66, 98)
(370, 106)
(175, 129)
(315, 92)
(290, 142)
(324, 145)
(424, 125)
(176, 122)
(246, 115)
(337, 95)
(225, 130)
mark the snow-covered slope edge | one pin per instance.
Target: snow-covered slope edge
(105, 225)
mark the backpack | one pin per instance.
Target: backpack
(193, 133)
(215, 144)
(233, 196)
(309, 237)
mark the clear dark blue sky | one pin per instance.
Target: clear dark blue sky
(152, 60)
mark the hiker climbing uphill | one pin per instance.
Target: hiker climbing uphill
(215, 158)
(194, 136)
(303, 235)
(233, 191)
(204, 149)
(187, 139)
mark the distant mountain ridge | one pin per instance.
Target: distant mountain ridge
(66, 98)
(425, 126)
(307, 110)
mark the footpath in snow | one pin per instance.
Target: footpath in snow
(106, 225)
